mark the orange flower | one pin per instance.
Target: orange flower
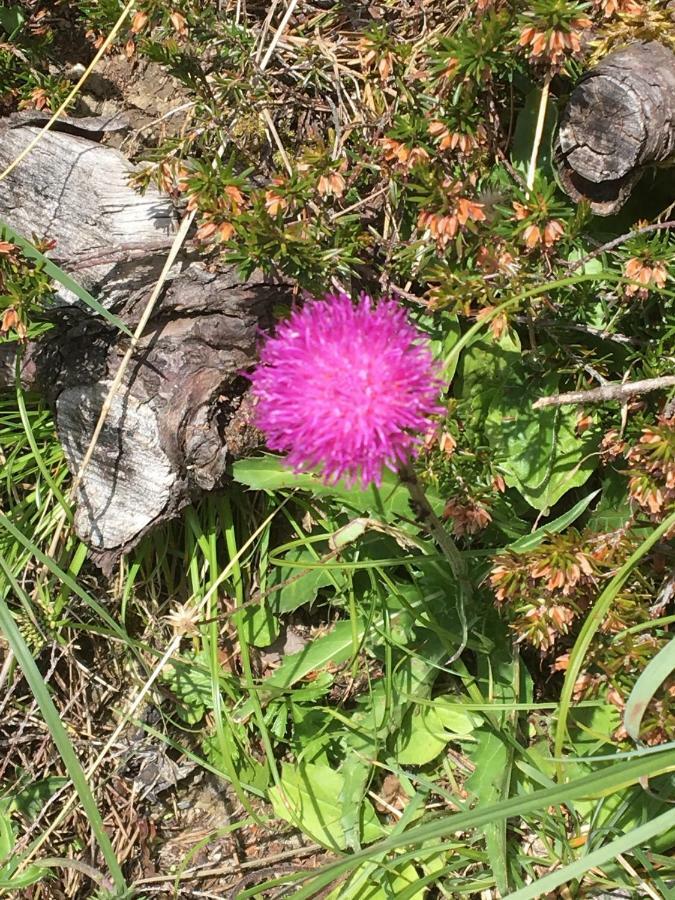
(407, 157)
(447, 443)
(225, 231)
(553, 231)
(468, 517)
(498, 324)
(179, 22)
(498, 483)
(611, 445)
(332, 185)
(206, 231)
(451, 140)
(10, 320)
(275, 203)
(554, 43)
(235, 197)
(139, 21)
(645, 275)
(623, 7)
(532, 236)
(522, 212)
(583, 423)
(468, 209)
(646, 493)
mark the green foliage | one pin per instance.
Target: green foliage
(323, 662)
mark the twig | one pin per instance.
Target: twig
(102, 50)
(612, 391)
(538, 133)
(610, 245)
(262, 862)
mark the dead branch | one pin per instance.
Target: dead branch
(608, 392)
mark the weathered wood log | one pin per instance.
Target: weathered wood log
(620, 120)
(76, 191)
(182, 409)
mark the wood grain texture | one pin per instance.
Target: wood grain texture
(75, 191)
(620, 119)
(183, 408)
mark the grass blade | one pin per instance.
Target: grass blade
(605, 780)
(63, 278)
(597, 857)
(57, 730)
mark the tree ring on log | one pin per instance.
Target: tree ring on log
(620, 119)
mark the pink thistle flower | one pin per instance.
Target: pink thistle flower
(346, 388)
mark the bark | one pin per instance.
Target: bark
(620, 120)
(76, 191)
(183, 409)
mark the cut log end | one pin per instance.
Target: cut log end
(620, 119)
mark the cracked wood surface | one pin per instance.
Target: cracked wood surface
(620, 119)
(183, 408)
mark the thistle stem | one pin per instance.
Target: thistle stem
(445, 542)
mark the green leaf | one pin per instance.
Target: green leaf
(390, 883)
(487, 368)
(538, 450)
(655, 674)
(608, 779)
(530, 541)
(355, 772)
(523, 136)
(252, 774)
(613, 510)
(190, 682)
(303, 586)
(9, 881)
(11, 19)
(62, 277)
(270, 473)
(260, 623)
(30, 800)
(333, 648)
(426, 731)
(313, 794)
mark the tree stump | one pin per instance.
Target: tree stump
(620, 120)
(183, 408)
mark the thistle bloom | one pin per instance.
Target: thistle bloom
(346, 388)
